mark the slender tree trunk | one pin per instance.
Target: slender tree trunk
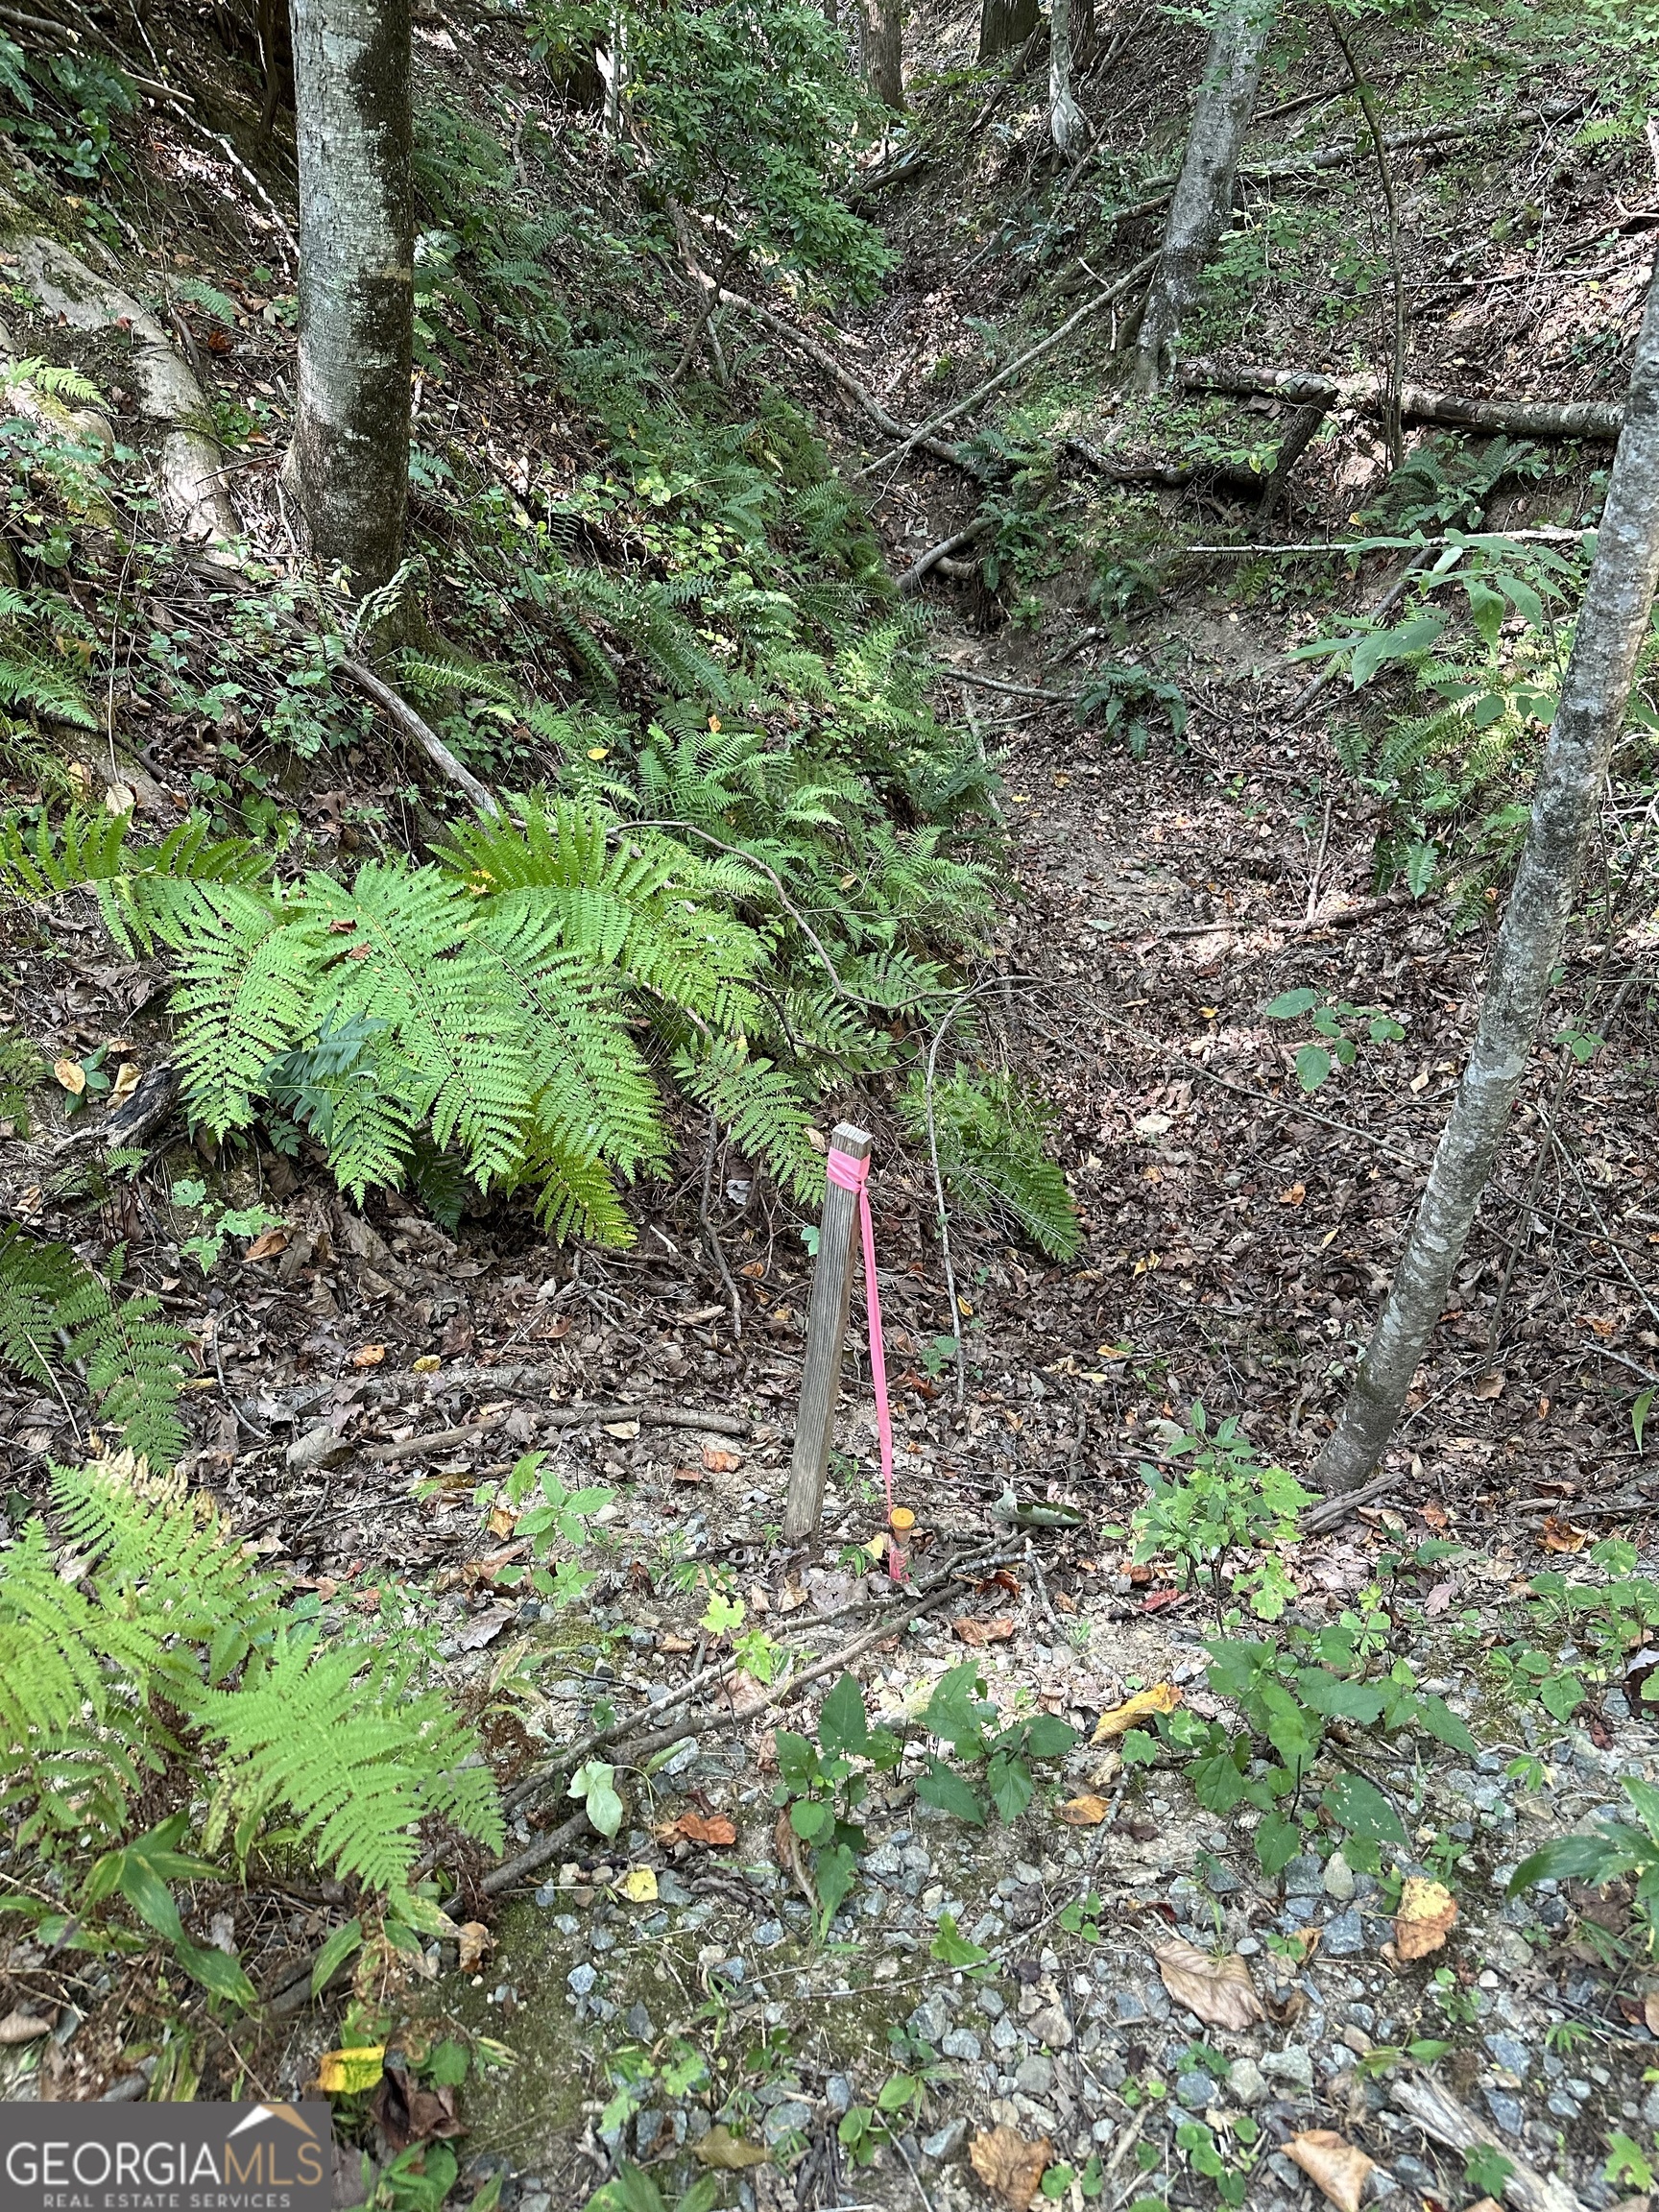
(886, 50)
(350, 455)
(1202, 203)
(1065, 123)
(1611, 625)
(1004, 25)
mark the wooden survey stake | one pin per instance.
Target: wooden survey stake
(826, 1337)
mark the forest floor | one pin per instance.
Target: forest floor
(364, 1381)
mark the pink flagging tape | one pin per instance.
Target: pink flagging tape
(849, 1174)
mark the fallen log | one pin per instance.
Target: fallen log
(1595, 420)
(1440, 2115)
(939, 557)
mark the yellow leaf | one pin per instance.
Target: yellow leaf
(1427, 1913)
(1082, 1811)
(1161, 1698)
(597, 752)
(71, 1074)
(347, 2072)
(429, 1363)
(639, 1885)
(727, 2152)
(124, 1084)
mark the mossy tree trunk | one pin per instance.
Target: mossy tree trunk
(886, 54)
(1202, 203)
(1571, 777)
(350, 456)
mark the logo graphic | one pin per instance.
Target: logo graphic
(165, 2158)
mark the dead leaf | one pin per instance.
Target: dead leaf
(429, 1363)
(124, 1084)
(347, 2072)
(1161, 1698)
(624, 1431)
(484, 1627)
(20, 2026)
(1433, 1515)
(1082, 1811)
(267, 1244)
(787, 1851)
(721, 1459)
(981, 1633)
(1219, 1991)
(1558, 1534)
(687, 1475)
(71, 1074)
(639, 1885)
(675, 1644)
(1009, 2166)
(121, 798)
(476, 1941)
(1427, 1916)
(367, 1354)
(714, 1829)
(1334, 2165)
(729, 2153)
(1294, 1195)
(1440, 1598)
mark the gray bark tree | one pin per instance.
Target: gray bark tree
(1067, 126)
(1202, 203)
(1572, 775)
(1004, 25)
(350, 452)
(885, 64)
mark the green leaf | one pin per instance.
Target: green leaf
(1009, 1782)
(1639, 1415)
(1407, 638)
(1445, 1726)
(843, 1725)
(1047, 1737)
(449, 2065)
(1138, 1748)
(1216, 1782)
(1337, 1698)
(834, 1870)
(1291, 1003)
(1312, 1066)
(954, 1712)
(1362, 1808)
(1561, 1695)
(945, 1789)
(344, 1943)
(1582, 1858)
(952, 1949)
(809, 1817)
(594, 1782)
(219, 1975)
(1277, 1842)
(150, 1896)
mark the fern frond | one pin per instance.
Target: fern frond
(247, 968)
(762, 1109)
(131, 1354)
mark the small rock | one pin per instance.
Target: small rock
(1129, 2006)
(1195, 2090)
(1511, 2054)
(1293, 2066)
(947, 2142)
(640, 2024)
(1507, 2112)
(963, 2043)
(837, 2095)
(1563, 2107)
(791, 2117)
(1338, 1881)
(671, 1890)
(1304, 1877)
(1244, 2082)
(1034, 2077)
(1050, 2026)
(1344, 1937)
(930, 2022)
(992, 2005)
(580, 1979)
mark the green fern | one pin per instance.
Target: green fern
(764, 1109)
(58, 1314)
(989, 1132)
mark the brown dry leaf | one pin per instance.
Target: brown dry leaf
(1335, 2166)
(267, 1244)
(367, 1354)
(786, 1849)
(1650, 2012)
(20, 2026)
(729, 2153)
(1433, 1515)
(1427, 1916)
(697, 1828)
(1082, 1811)
(1490, 1385)
(721, 1459)
(624, 1431)
(1218, 1990)
(1161, 1698)
(1440, 1598)
(754, 1270)
(124, 1084)
(981, 1633)
(675, 1644)
(1558, 1534)
(476, 1941)
(1009, 2166)
(1294, 1195)
(71, 1074)
(688, 1475)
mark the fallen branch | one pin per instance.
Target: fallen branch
(414, 726)
(1440, 2115)
(914, 576)
(562, 1417)
(1333, 1511)
(1594, 419)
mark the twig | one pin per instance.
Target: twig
(943, 1213)
(1034, 1568)
(415, 726)
(1440, 2115)
(1334, 1510)
(1319, 859)
(1015, 690)
(708, 1228)
(913, 576)
(559, 1417)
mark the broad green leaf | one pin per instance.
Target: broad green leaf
(945, 1789)
(834, 1870)
(344, 1943)
(952, 1949)
(150, 1896)
(1569, 1859)
(1009, 1782)
(1312, 1066)
(1277, 1842)
(1363, 1810)
(221, 1975)
(1417, 636)
(1444, 1725)
(1339, 1700)
(1291, 1003)
(955, 1711)
(1047, 1738)
(842, 1722)
(809, 1817)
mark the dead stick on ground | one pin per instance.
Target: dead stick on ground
(1440, 2115)
(562, 1417)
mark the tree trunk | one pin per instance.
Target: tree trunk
(1004, 25)
(1202, 202)
(1611, 625)
(1065, 123)
(350, 455)
(886, 50)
